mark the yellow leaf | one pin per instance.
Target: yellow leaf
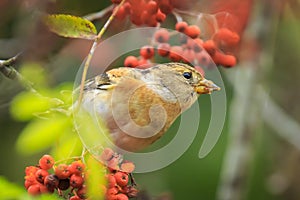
(71, 26)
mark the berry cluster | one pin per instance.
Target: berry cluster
(190, 48)
(147, 12)
(69, 180)
(39, 180)
(118, 178)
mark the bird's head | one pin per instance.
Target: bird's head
(188, 76)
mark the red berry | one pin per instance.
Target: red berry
(163, 49)
(181, 26)
(175, 53)
(121, 178)
(145, 17)
(192, 31)
(127, 167)
(131, 61)
(165, 6)
(121, 14)
(160, 17)
(51, 181)
(144, 64)
(34, 189)
(121, 197)
(116, 1)
(210, 47)
(81, 192)
(62, 171)
(224, 60)
(152, 7)
(127, 7)
(76, 181)
(162, 35)
(46, 162)
(136, 19)
(112, 191)
(40, 175)
(111, 180)
(77, 167)
(111, 197)
(44, 189)
(30, 181)
(75, 198)
(63, 184)
(227, 37)
(31, 170)
(147, 52)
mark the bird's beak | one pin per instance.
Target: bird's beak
(206, 87)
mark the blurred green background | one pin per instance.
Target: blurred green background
(264, 157)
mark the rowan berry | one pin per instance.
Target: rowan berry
(131, 61)
(163, 49)
(111, 197)
(81, 192)
(165, 6)
(51, 181)
(44, 189)
(116, 1)
(76, 181)
(147, 52)
(152, 7)
(224, 60)
(192, 31)
(210, 47)
(112, 191)
(160, 16)
(121, 13)
(76, 167)
(62, 171)
(111, 180)
(121, 197)
(188, 56)
(40, 175)
(162, 35)
(75, 198)
(46, 162)
(63, 184)
(31, 170)
(121, 178)
(227, 37)
(175, 53)
(181, 26)
(34, 189)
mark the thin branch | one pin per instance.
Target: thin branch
(92, 51)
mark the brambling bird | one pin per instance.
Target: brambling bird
(139, 105)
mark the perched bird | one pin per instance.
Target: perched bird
(139, 105)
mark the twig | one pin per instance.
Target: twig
(92, 51)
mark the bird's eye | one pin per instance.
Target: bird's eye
(187, 75)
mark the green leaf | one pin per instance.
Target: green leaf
(10, 190)
(95, 178)
(68, 146)
(40, 134)
(71, 26)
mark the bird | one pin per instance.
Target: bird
(139, 105)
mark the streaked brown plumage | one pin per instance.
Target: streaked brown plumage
(139, 105)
